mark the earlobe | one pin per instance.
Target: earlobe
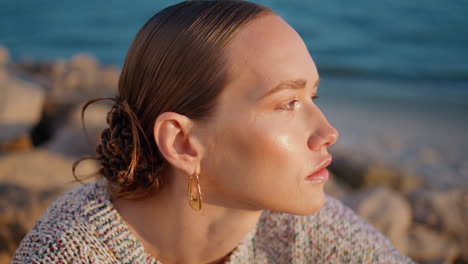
(173, 135)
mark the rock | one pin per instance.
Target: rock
(445, 211)
(381, 174)
(29, 181)
(54, 116)
(428, 245)
(410, 181)
(20, 107)
(71, 140)
(386, 209)
(109, 78)
(441, 209)
(84, 63)
(21, 143)
(73, 81)
(45, 113)
(82, 71)
(40, 170)
(82, 78)
(363, 170)
(35, 71)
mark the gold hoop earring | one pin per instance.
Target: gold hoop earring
(196, 202)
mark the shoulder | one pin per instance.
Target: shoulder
(335, 234)
(63, 234)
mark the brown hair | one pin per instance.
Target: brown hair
(175, 63)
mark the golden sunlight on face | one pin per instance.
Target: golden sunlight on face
(267, 135)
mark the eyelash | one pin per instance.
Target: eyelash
(294, 101)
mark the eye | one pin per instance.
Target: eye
(290, 105)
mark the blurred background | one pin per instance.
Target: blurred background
(394, 83)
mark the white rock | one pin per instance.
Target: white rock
(20, 107)
(82, 78)
(40, 169)
(387, 210)
(445, 211)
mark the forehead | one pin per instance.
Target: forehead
(265, 53)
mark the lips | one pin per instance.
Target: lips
(320, 174)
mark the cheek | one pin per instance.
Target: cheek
(265, 145)
(279, 141)
(250, 159)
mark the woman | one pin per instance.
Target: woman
(215, 153)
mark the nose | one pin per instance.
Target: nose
(325, 135)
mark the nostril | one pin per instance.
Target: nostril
(332, 137)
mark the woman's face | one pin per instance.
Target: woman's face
(262, 145)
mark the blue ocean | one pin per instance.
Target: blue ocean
(392, 70)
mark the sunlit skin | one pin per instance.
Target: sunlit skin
(254, 154)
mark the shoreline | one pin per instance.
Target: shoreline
(429, 140)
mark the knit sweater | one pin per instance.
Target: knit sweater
(83, 226)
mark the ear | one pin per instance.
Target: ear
(173, 134)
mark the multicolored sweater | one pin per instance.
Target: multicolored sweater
(82, 226)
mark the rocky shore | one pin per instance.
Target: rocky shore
(41, 136)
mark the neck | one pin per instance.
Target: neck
(173, 232)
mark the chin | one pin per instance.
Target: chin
(310, 206)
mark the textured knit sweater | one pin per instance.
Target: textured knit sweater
(83, 226)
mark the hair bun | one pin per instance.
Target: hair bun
(126, 163)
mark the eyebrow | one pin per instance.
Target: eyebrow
(289, 84)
